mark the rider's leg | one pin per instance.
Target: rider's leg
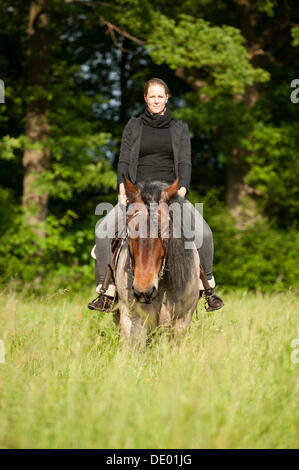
(196, 229)
(203, 238)
(206, 250)
(103, 257)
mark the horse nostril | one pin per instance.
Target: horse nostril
(137, 293)
(140, 296)
(149, 293)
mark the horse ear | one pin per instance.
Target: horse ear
(132, 192)
(171, 191)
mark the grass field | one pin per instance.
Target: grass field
(67, 382)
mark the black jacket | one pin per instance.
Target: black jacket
(130, 146)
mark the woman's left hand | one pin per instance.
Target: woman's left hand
(182, 192)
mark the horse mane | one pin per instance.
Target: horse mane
(179, 259)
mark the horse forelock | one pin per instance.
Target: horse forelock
(151, 192)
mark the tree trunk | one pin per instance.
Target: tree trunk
(239, 196)
(123, 81)
(36, 156)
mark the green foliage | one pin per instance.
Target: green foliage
(94, 87)
(63, 253)
(7, 209)
(8, 145)
(274, 168)
(80, 173)
(78, 165)
(260, 257)
(266, 6)
(218, 52)
(295, 35)
(270, 152)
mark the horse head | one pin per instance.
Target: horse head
(148, 232)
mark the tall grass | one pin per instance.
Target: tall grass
(67, 381)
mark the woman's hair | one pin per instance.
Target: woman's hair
(156, 81)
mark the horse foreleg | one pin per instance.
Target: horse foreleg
(132, 327)
(125, 322)
(138, 332)
(181, 324)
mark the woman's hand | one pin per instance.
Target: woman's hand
(182, 192)
(122, 198)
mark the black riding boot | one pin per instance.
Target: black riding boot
(102, 303)
(214, 302)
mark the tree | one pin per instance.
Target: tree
(230, 81)
(36, 154)
(226, 52)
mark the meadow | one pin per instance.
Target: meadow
(67, 381)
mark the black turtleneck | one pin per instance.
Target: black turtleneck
(156, 156)
(157, 120)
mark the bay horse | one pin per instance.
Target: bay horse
(156, 278)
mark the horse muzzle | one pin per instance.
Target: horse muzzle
(145, 296)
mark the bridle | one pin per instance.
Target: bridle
(154, 217)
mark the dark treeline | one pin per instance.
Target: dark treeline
(73, 73)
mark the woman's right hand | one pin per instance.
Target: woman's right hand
(122, 198)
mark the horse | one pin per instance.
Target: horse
(157, 279)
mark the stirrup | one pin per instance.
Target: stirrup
(210, 297)
(102, 303)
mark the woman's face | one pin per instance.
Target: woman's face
(156, 98)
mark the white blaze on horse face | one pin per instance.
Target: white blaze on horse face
(137, 225)
(153, 220)
(163, 214)
(156, 280)
(146, 250)
(145, 277)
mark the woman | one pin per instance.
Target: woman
(154, 147)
